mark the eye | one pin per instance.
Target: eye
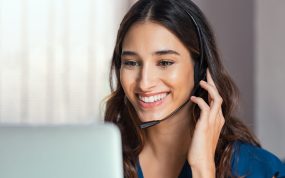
(165, 63)
(130, 63)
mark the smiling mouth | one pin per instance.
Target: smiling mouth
(153, 100)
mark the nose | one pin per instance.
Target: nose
(147, 78)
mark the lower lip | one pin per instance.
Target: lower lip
(151, 105)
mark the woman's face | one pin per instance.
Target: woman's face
(157, 71)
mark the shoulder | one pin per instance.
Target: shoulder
(252, 161)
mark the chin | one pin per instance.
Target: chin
(151, 117)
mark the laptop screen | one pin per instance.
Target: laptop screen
(73, 151)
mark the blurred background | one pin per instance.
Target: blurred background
(55, 56)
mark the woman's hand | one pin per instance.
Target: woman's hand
(207, 131)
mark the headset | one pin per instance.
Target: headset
(200, 68)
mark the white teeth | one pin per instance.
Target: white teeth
(147, 99)
(152, 99)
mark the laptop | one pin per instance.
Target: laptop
(70, 151)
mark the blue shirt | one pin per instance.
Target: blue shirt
(248, 160)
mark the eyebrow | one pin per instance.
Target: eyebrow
(160, 53)
(165, 52)
(129, 53)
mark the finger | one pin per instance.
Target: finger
(204, 107)
(216, 102)
(213, 92)
(200, 102)
(210, 79)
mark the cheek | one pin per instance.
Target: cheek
(182, 79)
(127, 80)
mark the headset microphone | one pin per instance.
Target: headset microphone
(155, 122)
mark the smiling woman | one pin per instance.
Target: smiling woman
(166, 66)
(156, 73)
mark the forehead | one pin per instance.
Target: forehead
(151, 36)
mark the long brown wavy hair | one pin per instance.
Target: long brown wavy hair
(175, 16)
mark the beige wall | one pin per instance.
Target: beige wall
(270, 74)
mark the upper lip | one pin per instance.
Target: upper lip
(151, 94)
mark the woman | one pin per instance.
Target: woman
(173, 100)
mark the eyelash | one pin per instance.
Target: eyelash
(165, 63)
(131, 63)
(162, 63)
